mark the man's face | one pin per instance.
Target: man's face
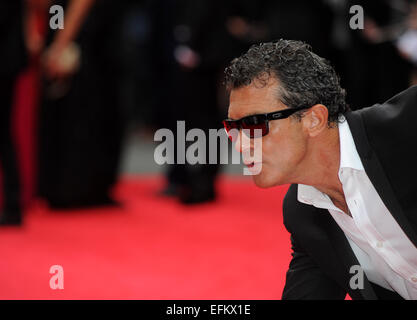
(284, 147)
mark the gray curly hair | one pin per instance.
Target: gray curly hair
(306, 79)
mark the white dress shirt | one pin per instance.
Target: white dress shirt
(385, 253)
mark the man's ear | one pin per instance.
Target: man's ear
(315, 119)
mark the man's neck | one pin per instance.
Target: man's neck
(322, 166)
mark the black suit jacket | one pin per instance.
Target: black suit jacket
(385, 136)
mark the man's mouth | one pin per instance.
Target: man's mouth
(251, 164)
(253, 167)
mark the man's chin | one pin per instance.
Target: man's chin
(261, 182)
(266, 181)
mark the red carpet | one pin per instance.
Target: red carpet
(152, 248)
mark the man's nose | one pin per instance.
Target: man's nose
(243, 144)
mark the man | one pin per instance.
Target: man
(352, 200)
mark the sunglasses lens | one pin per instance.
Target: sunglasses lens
(231, 128)
(255, 126)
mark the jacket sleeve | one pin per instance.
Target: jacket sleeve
(304, 280)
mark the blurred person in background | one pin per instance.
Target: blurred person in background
(190, 39)
(13, 59)
(374, 50)
(138, 90)
(80, 122)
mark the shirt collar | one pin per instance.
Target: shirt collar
(309, 195)
(349, 157)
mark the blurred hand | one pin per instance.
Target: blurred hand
(186, 57)
(371, 31)
(241, 29)
(61, 61)
(237, 27)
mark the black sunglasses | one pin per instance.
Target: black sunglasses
(256, 122)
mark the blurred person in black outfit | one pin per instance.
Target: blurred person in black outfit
(80, 127)
(138, 92)
(12, 61)
(192, 60)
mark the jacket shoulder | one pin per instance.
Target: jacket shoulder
(395, 116)
(294, 211)
(289, 202)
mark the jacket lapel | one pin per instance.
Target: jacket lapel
(347, 257)
(376, 174)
